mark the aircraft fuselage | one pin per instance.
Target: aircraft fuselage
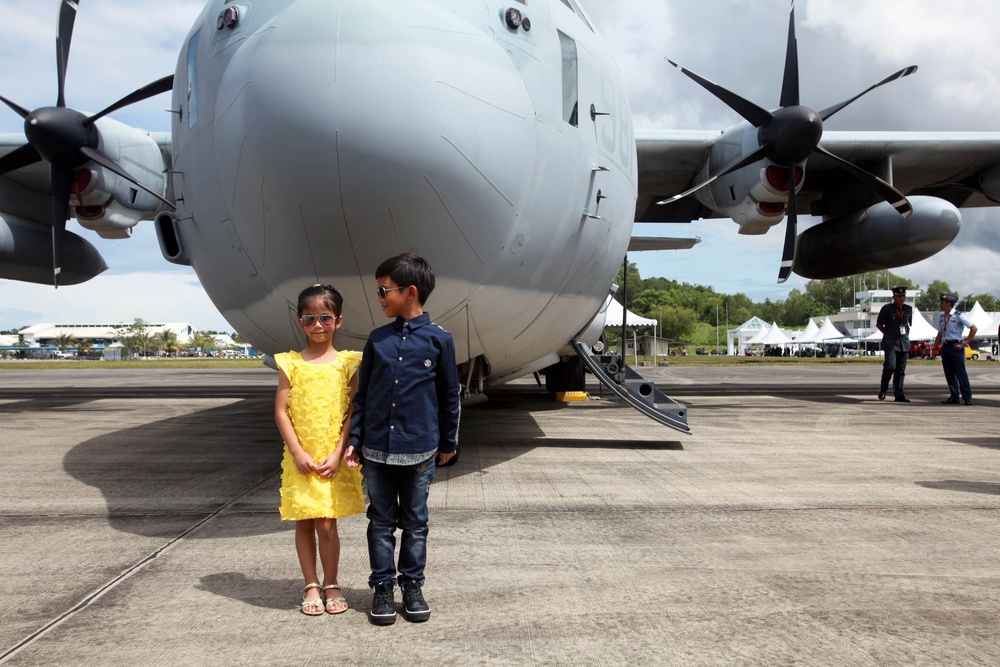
(317, 138)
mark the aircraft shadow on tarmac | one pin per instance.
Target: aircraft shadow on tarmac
(965, 486)
(159, 476)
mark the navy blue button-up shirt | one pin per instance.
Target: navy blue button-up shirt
(409, 398)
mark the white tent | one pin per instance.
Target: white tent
(740, 336)
(826, 333)
(775, 336)
(758, 337)
(616, 312)
(979, 317)
(613, 316)
(921, 330)
(804, 335)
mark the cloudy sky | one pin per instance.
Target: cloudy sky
(844, 46)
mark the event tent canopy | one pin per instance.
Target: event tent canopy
(774, 336)
(922, 329)
(615, 313)
(807, 333)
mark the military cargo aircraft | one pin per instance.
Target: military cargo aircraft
(312, 139)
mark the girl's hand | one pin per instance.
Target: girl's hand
(304, 462)
(329, 466)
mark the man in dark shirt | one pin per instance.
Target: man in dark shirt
(406, 412)
(894, 321)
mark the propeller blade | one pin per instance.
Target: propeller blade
(906, 71)
(791, 231)
(106, 162)
(147, 91)
(790, 81)
(62, 183)
(18, 109)
(67, 18)
(877, 185)
(749, 111)
(18, 158)
(738, 164)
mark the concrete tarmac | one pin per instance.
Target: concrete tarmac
(804, 523)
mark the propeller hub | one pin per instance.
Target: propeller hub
(58, 134)
(793, 134)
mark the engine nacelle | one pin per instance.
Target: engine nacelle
(105, 202)
(26, 253)
(756, 196)
(876, 238)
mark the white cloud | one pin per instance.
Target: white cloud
(154, 296)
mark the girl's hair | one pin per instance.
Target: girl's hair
(326, 293)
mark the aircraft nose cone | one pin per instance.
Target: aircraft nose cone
(794, 134)
(348, 135)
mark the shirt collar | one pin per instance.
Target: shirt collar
(417, 322)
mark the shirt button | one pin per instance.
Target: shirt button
(401, 358)
(395, 381)
(392, 428)
(393, 405)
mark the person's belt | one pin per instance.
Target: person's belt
(953, 342)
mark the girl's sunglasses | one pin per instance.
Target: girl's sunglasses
(326, 319)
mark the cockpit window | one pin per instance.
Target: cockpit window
(192, 76)
(570, 92)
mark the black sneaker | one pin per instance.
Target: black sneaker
(383, 611)
(414, 607)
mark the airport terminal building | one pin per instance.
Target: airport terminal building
(100, 334)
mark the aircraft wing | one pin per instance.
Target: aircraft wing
(954, 166)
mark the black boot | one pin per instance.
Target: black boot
(414, 607)
(383, 611)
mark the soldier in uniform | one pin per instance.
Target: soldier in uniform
(894, 321)
(950, 325)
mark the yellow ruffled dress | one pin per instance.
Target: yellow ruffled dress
(317, 403)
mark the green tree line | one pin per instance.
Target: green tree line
(697, 314)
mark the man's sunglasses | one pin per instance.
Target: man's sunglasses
(326, 319)
(381, 292)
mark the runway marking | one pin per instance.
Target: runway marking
(99, 593)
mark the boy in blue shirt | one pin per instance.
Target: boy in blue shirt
(406, 412)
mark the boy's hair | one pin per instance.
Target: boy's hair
(408, 269)
(326, 293)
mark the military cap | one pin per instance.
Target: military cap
(950, 298)
(899, 291)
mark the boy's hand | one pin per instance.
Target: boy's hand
(351, 457)
(444, 458)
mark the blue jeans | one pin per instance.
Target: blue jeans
(397, 497)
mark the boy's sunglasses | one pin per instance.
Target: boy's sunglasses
(326, 319)
(383, 291)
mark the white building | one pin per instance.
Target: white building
(858, 321)
(100, 334)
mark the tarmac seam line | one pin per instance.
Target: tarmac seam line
(128, 572)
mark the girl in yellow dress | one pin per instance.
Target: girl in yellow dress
(313, 412)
